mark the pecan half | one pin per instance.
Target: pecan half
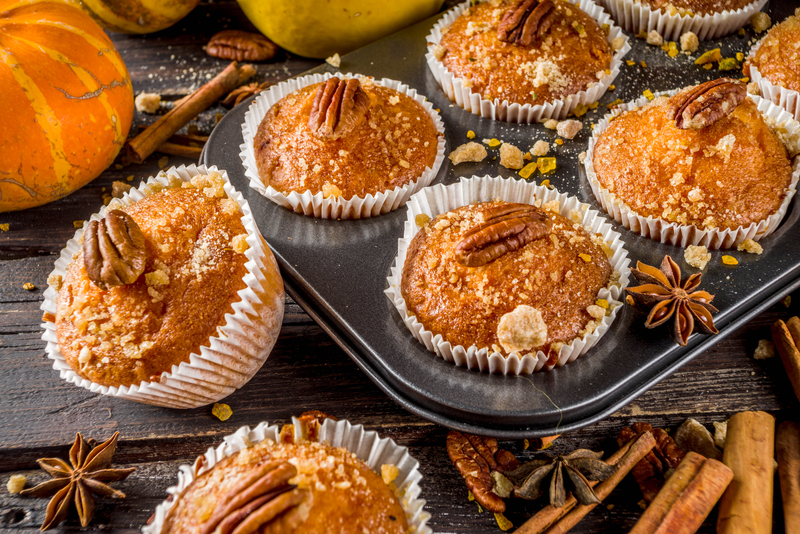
(113, 250)
(239, 45)
(527, 21)
(476, 458)
(652, 470)
(703, 105)
(256, 500)
(339, 107)
(507, 228)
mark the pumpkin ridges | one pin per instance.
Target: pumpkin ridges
(82, 102)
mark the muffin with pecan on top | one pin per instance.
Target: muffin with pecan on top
(505, 286)
(708, 166)
(343, 148)
(527, 60)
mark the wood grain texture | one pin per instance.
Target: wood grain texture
(40, 413)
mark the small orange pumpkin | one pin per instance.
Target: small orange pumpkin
(66, 97)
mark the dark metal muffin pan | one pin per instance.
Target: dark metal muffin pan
(336, 270)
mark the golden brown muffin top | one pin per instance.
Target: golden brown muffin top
(572, 55)
(778, 56)
(344, 495)
(695, 7)
(194, 239)
(390, 148)
(558, 274)
(732, 173)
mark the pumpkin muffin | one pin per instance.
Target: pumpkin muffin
(510, 277)
(344, 138)
(778, 55)
(152, 283)
(303, 488)
(704, 157)
(525, 52)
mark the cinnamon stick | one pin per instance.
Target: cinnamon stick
(185, 151)
(687, 497)
(786, 337)
(550, 514)
(787, 444)
(144, 144)
(636, 451)
(746, 505)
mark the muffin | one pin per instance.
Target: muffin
(708, 19)
(704, 158)
(342, 140)
(527, 53)
(273, 479)
(155, 282)
(512, 278)
(774, 64)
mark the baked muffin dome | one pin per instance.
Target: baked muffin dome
(335, 492)
(696, 7)
(391, 142)
(778, 56)
(732, 173)
(536, 297)
(195, 264)
(570, 56)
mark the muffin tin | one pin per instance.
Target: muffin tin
(337, 270)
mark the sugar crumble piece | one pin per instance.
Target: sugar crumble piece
(330, 190)
(493, 143)
(697, 256)
(689, 42)
(157, 278)
(77, 224)
(4, 227)
(582, 157)
(712, 56)
(389, 473)
(569, 129)
(394, 100)
(470, 135)
(559, 142)
(511, 157)
(163, 162)
(748, 245)
(528, 170)
(221, 411)
(648, 94)
(334, 61)
(239, 243)
(729, 260)
(439, 51)
(468, 152)
(760, 22)
(540, 148)
(422, 219)
(720, 433)
(654, 38)
(147, 102)
(630, 62)
(55, 281)
(522, 329)
(764, 350)
(28, 286)
(553, 206)
(585, 257)
(551, 124)
(596, 312)
(546, 164)
(16, 483)
(618, 43)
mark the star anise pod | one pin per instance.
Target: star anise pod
(89, 472)
(581, 466)
(240, 94)
(662, 295)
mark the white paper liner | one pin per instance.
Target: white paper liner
(514, 112)
(636, 18)
(786, 98)
(333, 208)
(439, 199)
(366, 445)
(679, 234)
(229, 359)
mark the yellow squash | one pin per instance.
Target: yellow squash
(320, 28)
(137, 16)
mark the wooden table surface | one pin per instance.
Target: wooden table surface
(40, 413)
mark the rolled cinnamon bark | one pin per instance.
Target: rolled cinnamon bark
(746, 506)
(687, 497)
(786, 337)
(787, 444)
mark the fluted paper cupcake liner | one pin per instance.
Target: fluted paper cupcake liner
(679, 234)
(366, 445)
(229, 359)
(636, 18)
(316, 205)
(786, 98)
(511, 111)
(433, 201)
